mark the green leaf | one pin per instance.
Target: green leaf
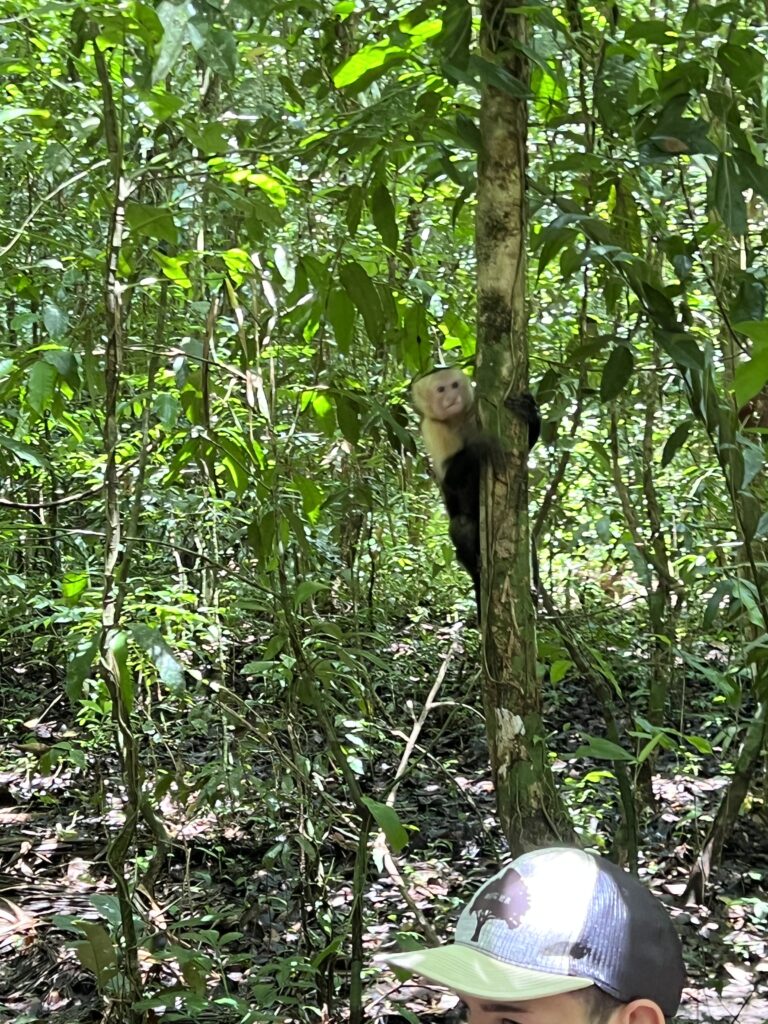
(154, 221)
(235, 458)
(118, 647)
(373, 58)
(154, 645)
(348, 418)
(724, 195)
(354, 208)
(97, 953)
(456, 35)
(173, 268)
(306, 590)
(13, 113)
(602, 750)
(362, 292)
(65, 363)
(389, 822)
(383, 213)
(559, 670)
(341, 313)
(55, 320)
(616, 373)
(41, 386)
(24, 452)
(79, 668)
(682, 348)
(208, 138)
(174, 19)
(675, 442)
(73, 585)
(312, 496)
(553, 239)
(498, 78)
(751, 377)
(744, 66)
(167, 408)
(699, 743)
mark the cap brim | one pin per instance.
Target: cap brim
(476, 974)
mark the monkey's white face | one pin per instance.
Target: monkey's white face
(449, 394)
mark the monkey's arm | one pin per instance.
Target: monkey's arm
(526, 408)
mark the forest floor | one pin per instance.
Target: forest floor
(220, 873)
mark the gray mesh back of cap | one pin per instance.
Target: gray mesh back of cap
(565, 912)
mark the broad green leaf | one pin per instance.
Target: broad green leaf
(174, 19)
(748, 304)
(456, 35)
(79, 668)
(235, 458)
(468, 132)
(173, 268)
(271, 187)
(42, 386)
(559, 670)
(675, 442)
(602, 750)
(348, 418)
(73, 584)
(306, 590)
(154, 645)
(552, 240)
(208, 138)
(745, 592)
(751, 377)
(118, 648)
(217, 48)
(616, 373)
(682, 348)
(361, 290)
(757, 330)
(13, 113)
(699, 743)
(312, 496)
(167, 409)
(371, 58)
(498, 77)
(24, 452)
(389, 822)
(55, 320)
(65, 363)
(725, 195)
(341, 313)
(354, 208)
(383, 213)
(97, 953)
(744, 66)
(154, 221)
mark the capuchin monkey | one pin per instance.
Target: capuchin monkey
(458, 450)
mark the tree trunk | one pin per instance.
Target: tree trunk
(529, 808)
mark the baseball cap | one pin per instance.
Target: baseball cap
(555, 921)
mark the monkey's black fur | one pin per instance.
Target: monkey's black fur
(461, 487)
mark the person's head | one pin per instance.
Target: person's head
(559, 937)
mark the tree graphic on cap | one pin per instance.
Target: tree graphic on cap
(505, 898)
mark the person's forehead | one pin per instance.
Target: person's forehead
(545, 1010)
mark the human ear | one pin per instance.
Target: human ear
(639, 1011)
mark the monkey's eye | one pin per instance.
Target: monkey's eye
(441, 388)
(455, 384)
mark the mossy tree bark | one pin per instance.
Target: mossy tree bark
(529, 807)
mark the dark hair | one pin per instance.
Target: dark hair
(598, 1005)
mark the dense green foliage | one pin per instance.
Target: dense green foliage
(267, 209)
